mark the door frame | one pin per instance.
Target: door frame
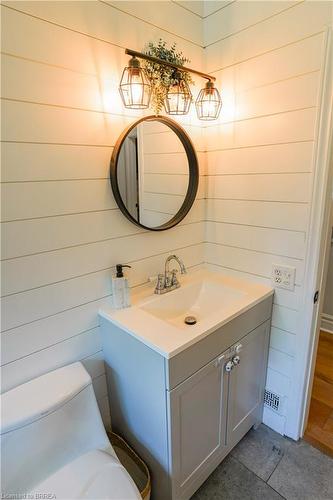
(317, 249)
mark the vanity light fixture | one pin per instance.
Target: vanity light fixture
(208, 103)
(135, 87)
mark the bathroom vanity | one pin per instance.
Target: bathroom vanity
(184, 395)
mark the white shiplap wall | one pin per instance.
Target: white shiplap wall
(267, 57)
(61, 229)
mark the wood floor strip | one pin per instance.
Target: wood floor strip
(319, 431)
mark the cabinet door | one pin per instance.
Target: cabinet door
(247, 383)
(197, 423)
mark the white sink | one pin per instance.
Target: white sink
(201, 300)
(158, 320)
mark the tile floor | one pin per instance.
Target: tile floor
(267, 466)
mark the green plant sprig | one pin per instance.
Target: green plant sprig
(163, 77)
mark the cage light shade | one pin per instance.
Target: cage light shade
(208, 103)
(178, 99)
(135, 87)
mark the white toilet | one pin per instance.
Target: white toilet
(53, 441)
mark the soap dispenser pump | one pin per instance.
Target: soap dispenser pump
(120, 288)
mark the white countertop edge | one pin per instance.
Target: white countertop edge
(169, 354)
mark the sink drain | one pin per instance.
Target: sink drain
(190, 320)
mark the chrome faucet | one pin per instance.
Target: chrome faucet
(169, 281)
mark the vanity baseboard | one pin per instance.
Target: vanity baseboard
(153, 399)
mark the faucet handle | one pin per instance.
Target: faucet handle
(174, 279)
(160, 283)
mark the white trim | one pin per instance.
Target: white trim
(326, 323)
(322, 329)
(316, 255)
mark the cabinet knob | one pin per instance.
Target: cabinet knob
(236, 360)
(238, 348)
(229, 366)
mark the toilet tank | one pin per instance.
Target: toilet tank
(46, 423)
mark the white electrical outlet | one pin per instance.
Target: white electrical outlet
(283, 276)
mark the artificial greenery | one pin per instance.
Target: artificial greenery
(162, 77)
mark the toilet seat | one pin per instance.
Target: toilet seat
(94, 475)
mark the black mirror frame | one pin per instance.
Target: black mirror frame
(193, 172)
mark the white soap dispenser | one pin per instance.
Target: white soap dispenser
(120, 289)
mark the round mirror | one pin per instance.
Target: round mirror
(154, 173)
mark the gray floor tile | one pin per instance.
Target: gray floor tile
(261, 450)
(304, 473)
(233, 481)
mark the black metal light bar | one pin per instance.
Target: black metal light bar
(141, 55)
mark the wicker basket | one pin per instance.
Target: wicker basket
(136, 468)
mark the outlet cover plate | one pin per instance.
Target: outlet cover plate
(283, 276)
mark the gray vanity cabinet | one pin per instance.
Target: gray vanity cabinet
(197, 412)
(213, 409)
(184, 414)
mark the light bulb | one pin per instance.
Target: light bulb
(208, 103)
(178, 99)
(136, 91)
(208, 108)
(135, 87)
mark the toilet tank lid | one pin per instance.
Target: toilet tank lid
(37, 398)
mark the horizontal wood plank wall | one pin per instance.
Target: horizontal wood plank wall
(61, 229)
(267, 57)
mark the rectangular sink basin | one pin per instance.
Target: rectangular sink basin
(201, 300)
(211, 297)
